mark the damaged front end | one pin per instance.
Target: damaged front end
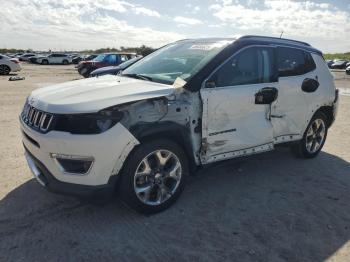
(177, 117)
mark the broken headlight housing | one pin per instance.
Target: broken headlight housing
(89, 123)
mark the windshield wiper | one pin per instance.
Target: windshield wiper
(138, 76)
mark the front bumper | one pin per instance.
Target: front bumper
(47, 180)
(109, 151)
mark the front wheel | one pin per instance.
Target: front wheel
(65, 62)
(314, 137)
(154, 176)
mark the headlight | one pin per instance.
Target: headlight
(92, 123)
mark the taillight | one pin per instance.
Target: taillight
(15, 61)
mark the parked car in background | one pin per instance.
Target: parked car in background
(329, 63)
(114, 70)
(189, 104)
(102, 60)
(34, 58)
(8, 64)
(347, 71)
(78, 59)
(339, 64)
(56, 58)
(18, 55)
(26, 57)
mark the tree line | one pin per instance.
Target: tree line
(142, 50)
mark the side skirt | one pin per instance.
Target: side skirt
(238, 153)
(252, 150)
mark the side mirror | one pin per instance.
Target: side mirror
(310, 85)
(210, 84)
(266, 96)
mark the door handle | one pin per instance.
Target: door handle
(266, 96)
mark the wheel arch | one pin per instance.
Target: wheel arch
(328, 111)
(169, 130)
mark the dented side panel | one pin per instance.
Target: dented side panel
(233, 122)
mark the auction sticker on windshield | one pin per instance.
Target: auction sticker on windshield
(209, 46)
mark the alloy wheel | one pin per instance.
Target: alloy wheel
(157, 177)
(315, 135)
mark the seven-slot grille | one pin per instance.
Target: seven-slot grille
(35, 118)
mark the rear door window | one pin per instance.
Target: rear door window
(294, 62)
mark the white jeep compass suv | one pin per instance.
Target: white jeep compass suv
(190, 103)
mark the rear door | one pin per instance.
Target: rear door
(290, 111)
(233, 123)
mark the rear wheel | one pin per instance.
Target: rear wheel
(44, 62)
(4, 70)
(154, 176)
(314, 137)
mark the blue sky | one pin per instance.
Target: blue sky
(90, 24)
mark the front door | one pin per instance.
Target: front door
(233, 123)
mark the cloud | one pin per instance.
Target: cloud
(76, 24)
(145, 11)
(187, 20)
(297, 19)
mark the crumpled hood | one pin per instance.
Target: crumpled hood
(93, 94)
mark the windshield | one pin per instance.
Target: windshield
(99, 58)
(181, 59)
(129, 62)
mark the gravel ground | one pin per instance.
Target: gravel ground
(269, 207)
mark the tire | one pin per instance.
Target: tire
(44, 62)
(86, 75)
(158, 185)
(4, 69)
(65, 62)
(314, 137)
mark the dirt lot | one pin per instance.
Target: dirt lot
(270, 207)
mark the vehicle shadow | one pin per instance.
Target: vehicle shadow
(8, 75)
(269, 207)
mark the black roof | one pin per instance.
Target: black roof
(254, 39)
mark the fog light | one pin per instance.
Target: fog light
(73, 165)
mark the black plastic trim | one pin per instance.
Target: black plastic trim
(31, 139)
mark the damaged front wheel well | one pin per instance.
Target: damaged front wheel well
(169, 130)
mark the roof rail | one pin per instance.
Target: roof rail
(274, 38)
